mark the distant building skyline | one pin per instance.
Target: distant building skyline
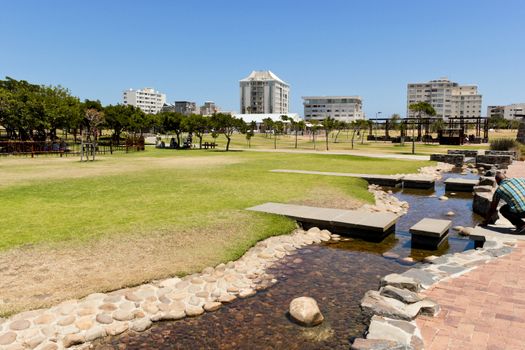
(449, 99)
(508, 112)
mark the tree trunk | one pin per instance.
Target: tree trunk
(296, 131)
(228, 143)
(353, 137)
(275, 141)
(326, 132)
(200, 141)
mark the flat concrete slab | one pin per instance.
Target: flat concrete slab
(373, 179)
(418, 181)
(460, 185)
(360, 223)
(431, 227)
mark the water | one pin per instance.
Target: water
(336, 274)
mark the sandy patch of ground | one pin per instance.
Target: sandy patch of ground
(41, 276)
(16, 171)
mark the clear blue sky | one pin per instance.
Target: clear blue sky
(199, 50)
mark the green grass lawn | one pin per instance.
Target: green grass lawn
(149, 198)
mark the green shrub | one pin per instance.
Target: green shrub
(503, 145)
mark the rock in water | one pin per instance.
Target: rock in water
(304, 310)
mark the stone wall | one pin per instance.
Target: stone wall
(503, 161)
(466, 153)
(456, 159)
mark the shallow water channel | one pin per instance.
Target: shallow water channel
(336, 274)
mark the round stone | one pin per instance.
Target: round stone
(197, 280)
(19, 325)
(451, 213)
(104, 319)
(7, 338)
(458, 228)
(305, 311)
(227, 298)
(49, 346)
(212, 306)
(86, 312)
(390, 255)
(443, 198)
(66, 321)
(245, 293)
(108, 307)
(132, 296)
(192, 310)
(182, 284)
(44, 319)
(123, 315)
(84, 323)
(466, 231)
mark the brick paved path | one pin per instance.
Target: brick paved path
(483, 309)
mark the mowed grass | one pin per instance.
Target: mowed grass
(149, 197)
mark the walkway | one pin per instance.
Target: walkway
(483, 309)
(341, 153)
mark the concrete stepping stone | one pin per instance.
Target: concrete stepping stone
(430, 233)
(418, 181)
(460, 185)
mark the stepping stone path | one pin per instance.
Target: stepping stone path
(81, 321)
(459, 184)
(430, 233)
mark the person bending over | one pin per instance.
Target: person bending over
(512, 191)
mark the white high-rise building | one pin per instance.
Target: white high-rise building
(449, 99)
(342, 108)
(508, 112)
(147, 99)
(264, 92)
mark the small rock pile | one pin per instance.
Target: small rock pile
(386, 202)
(437, 170)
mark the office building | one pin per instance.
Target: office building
(209, 108)
(508, 112)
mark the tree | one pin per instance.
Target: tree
(278, 129)
(339, 126)
(269, 125)
(172, 122)
(420, 109)
(315, 126)
(226, 124)
(328, 124)
(198, 124)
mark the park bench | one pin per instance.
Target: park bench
(207, 145)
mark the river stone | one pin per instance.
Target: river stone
(400, 281)
(443, 198)
(123, 315)
(426, 307)
(403, 295)
(19, 325)
(466, 231)
(390, 255)
(227, 298)
(73, 339)
(84, 323)
(164, 299)
(7, 338)
(245, 293)
(182, 284)
(451, 213)
(35, 341)
(212, 306)
(86, 312)
(457, 228)
(192, 310)
(132, 296)
(104, 318)
(117, 328)
(376, 344)
(305, 311)
(44, 319)
(141, 325)
(66, 321)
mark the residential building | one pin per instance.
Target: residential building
(264, 92)
(147, 99)
(185, 107)
(508, 112)
(449, 99)
(342, 108)
(209, 108)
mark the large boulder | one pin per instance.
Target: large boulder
(304, 310)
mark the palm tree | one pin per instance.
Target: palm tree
(420, 108)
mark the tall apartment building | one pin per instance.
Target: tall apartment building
(209, 108)
(264, 92)
(507, 112)
(449, 99)
(147, 99)
(342, 108)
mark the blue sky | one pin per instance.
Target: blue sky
(199, 50)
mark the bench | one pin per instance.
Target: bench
(207, 145)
